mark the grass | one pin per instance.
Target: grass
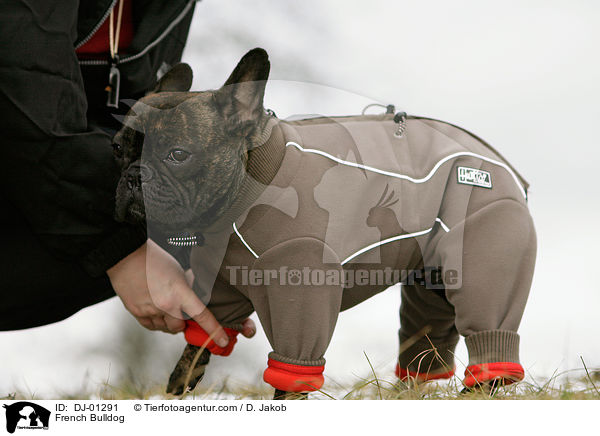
(577, 384)
(581, 383)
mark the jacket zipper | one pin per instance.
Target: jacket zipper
(97, 26)
(133, 57)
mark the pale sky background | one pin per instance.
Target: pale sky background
(521, 75)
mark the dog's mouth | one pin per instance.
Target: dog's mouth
(136, 213)
(131, 212)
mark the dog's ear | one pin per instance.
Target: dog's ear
(177, 79)
(240, 99)
(254, 66)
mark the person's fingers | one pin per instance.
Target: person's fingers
(173, 324)
(189, 277)
(145, 309)
(165, 323)
(159, 323)
(248, 328)
(205, 319)
(146, 323)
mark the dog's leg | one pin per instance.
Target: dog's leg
(298, 320)
(285, 395)
(488, 308)
(187, 374)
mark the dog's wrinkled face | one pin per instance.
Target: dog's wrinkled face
(182, 154)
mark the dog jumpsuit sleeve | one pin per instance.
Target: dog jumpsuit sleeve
(498, 257)
(298, 309)
(426, 312)
(230, 307)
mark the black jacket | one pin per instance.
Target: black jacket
(58, 168)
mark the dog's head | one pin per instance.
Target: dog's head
(182, 154)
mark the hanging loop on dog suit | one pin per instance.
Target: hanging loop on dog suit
(389, 109)
(400, 119)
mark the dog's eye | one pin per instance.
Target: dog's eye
(117, 149)
(178, 155)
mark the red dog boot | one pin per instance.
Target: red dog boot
(288, 377)
(482, 374)
(493, 359)
(195, 335)
(406, 375)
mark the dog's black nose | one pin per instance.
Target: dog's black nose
(137, 175)
(134, 180)
(145, 173)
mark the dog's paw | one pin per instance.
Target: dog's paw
(185, 377)
(489, 388)
(285, 395)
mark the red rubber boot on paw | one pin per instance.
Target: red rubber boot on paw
(293, 378)
(509, 372)
(404, 374)
(195, 335)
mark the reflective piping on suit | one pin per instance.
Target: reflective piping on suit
(408, 178)
(394, 238)
(362, 250)
(244, 241)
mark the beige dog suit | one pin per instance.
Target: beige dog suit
(335, 210)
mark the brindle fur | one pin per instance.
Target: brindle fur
(216, 128)
(177, 380)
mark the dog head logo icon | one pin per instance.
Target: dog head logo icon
(26, 415)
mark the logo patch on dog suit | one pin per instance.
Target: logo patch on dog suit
(475, 177)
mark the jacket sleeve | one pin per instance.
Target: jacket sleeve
(58, 172)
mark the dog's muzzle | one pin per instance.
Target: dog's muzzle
(138, 174)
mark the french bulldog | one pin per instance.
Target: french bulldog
(186, 158)
(195, 148)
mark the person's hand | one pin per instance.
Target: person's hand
(153, 287)
(248, 326)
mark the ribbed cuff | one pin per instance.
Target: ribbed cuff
(493, 346)
(422, 357)
(317, 362)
